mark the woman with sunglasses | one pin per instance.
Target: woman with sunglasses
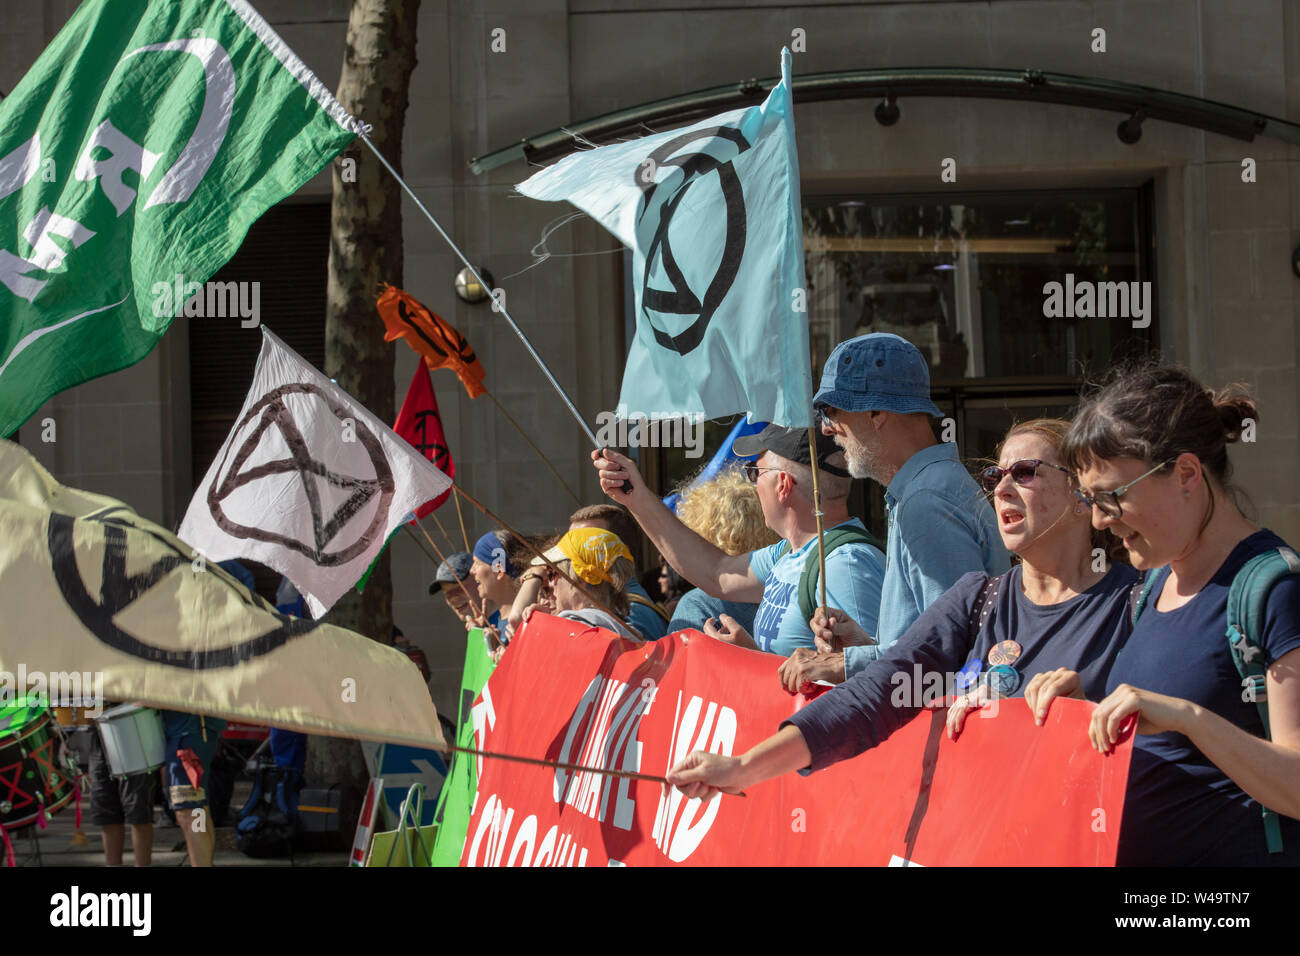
(1057, 610)
(1151, 452)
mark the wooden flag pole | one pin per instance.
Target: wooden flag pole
(817, 511)
(451, 544)
(525, 437)
(576, 582)
(477, 609)
(459, 514)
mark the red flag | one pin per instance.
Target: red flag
(421, 425)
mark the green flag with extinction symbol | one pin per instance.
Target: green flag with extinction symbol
(134, 156)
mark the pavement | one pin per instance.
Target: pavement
(57, 849)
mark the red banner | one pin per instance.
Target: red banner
(1005, 793)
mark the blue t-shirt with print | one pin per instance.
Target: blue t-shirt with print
(853, 576)
(1179, 808)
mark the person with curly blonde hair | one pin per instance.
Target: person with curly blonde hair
(726, 511)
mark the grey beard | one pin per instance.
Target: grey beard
(861, 463)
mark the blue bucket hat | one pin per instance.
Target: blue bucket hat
(879, 371)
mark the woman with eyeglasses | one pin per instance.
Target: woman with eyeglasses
(1061, 610)
(1150, 449)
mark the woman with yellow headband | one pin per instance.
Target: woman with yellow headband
(602, 562)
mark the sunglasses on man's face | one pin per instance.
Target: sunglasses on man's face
(752, 471)
(1022, 472)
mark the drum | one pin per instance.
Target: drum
(133, 739)
(31, 774)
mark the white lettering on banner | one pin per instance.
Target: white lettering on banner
(47, 255)
(611, 711)
(123, 153)
(484, 716)
(678, 830)
(493, 832)
(184, 176)
(18, 168)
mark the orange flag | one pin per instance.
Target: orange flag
(431, 336)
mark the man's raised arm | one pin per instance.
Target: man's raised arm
(701, 562)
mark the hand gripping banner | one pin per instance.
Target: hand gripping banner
(1005, 793)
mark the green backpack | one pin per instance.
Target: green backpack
(832, 539)
(1247, 603)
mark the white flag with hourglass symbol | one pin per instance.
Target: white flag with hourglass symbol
(308, 482)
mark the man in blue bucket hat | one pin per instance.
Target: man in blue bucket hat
(874, 401)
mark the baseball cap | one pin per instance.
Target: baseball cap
(455, 568)
(591, 551)
(879, 371)
(792, 444)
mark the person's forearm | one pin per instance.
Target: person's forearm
(1267, 771)
(782, 753)
(529, 589)
(697, 560)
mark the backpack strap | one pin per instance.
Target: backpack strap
(1247, 604)
(1140, 593)
(835, 538)
(653, 605)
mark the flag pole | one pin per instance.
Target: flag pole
(497, 306)
(451, 544)
(407, 525)
(524, 435)
(459, 514)
(577, 583)
(817, 511)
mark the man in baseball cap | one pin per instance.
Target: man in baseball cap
(453, 573)
(874, 402)
(779, 578)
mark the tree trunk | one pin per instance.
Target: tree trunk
(366, 250)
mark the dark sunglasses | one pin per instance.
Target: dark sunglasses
(1022, 472)
(752, 471)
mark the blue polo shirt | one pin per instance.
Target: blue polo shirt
(941, 526)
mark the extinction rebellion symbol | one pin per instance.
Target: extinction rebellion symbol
(661, 202)
(236, 471)
(118, 590)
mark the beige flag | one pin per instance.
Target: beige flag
(87, 585)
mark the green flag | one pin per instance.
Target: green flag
(134, 156)
(457, 795)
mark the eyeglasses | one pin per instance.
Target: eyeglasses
(752, 471)
(1108, 501)
(1022, 472)
(827, 415)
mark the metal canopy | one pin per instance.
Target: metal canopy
(1138, 102)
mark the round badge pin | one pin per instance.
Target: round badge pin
(1003, 680)
(969, 675)
(1004, 652)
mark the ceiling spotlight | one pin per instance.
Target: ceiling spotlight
(887, 111)
(468, 288)
(1130, 130)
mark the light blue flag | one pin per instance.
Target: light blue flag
(713, 216)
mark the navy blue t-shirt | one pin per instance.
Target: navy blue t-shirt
(1084, 634)
(1180, 809)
